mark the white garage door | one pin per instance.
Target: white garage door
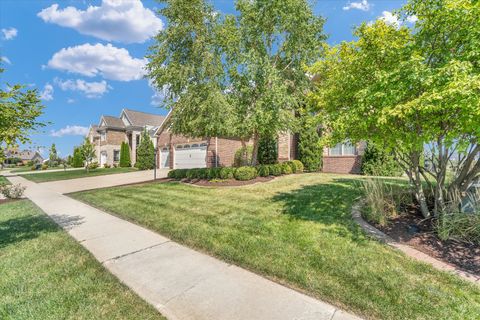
(165, 158)
(191, 156)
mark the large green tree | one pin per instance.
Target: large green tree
(412, 90)
(235, 75)
(19, 110)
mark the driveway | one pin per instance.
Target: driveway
(105, 181)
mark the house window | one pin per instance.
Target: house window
(343, 149)
(116, 155)
(103, 136)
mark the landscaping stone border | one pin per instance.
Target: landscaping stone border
(409, 251)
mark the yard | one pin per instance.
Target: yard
(45, 274)
(74, 174)
(296, 230)
(4, 180)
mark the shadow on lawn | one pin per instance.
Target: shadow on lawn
(24, 228)
(327, 203)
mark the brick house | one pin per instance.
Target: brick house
(111, 131)
(177, 152)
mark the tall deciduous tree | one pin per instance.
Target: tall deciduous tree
(19, 110)
(53, 156)
(412, 91)
(235, 75)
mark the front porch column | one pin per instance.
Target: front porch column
(133, 151)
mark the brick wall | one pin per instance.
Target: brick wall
(225, 148)
(114, 137)
(342, 164)
(284, 147)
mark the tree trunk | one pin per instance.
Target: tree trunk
(255, 149)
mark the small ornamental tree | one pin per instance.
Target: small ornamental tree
(88, 153)
(417, 92)
(310, 150)
(53, 156)
(77, 160)
(145, 153)
(267, 150)
(125, 155)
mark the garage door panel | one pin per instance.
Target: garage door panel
(191, 158)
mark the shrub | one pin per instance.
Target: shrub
(464, 227)
(286, 168)
(178, 174)
(275, 169)
(227, 173)
(145, 153)
(14, 191)
(267, 150)
(197, 173)
(124, 155)
(245, 173)
(213, 173)
(310, 151)
(263, 171)
(243, 156)
(94, 165)
(44, 166)
(34, 167)
(292, 166)
(115, 165)
(378, 162)
(106, 166)
(298, 166)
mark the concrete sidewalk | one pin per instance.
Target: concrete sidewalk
(180, 282)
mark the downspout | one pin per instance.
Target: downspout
(216, 152)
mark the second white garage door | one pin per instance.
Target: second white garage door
(191, 156)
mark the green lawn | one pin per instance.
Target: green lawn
(45, 274)
(29, 169)
(73, 174)
(298, 231)
(4, 180)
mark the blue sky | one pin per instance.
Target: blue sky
(85, 66)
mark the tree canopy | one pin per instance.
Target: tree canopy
(410, 89)
(19, 110)
(235, 75)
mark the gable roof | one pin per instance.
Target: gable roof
(112, 122)
(141, 119)
(29, 155)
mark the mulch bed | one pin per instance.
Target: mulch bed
(227, 183)
(411, 229)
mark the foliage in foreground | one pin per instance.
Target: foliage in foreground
(310, 151)
(47, 275)
(459, 226)
(411, 88)
(297, 230)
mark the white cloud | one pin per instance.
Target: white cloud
(70, 100)
(90, 89)
(390, 18)
(105, 60)
(113, 20)
(70, 131)
(362, 5)
(9, 33)
(47, 93)
(158, 97)
(5, 59)
(412, 19)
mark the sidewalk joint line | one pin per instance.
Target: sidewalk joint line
(133, 252)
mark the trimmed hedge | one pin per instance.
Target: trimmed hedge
(227, 173)
(275, 169)
(263, 170)
(242, 173)
(245, 173)
(286, 168)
